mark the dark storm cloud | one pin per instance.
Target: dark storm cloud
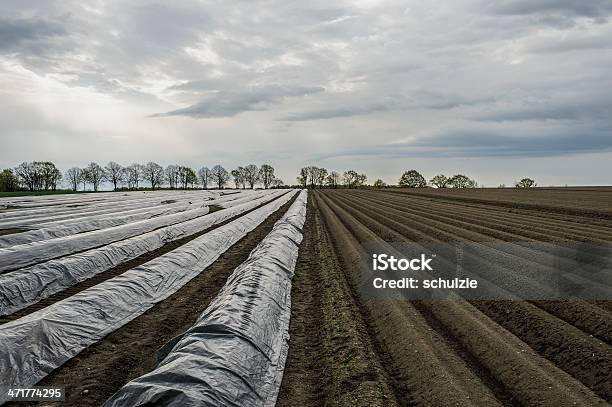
(549, 113)
(480, 143)
(596, 9)
(412, 100)
(16, 34)
(572, 44)
(337, 113)
(230, 103)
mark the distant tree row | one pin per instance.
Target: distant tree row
(414, 179)
(174, 176)
(315, 177)
(33, 176)
(45, 176)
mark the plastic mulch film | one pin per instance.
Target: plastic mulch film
(22, 288)
(72, 227)
(80, 224)
(234, 355)
(32, 346)
(27, 220)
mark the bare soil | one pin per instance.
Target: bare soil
(453, 352)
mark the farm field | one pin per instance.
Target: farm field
(350, 350)
(128, 297)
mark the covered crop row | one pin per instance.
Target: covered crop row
(28, 203)
(235, 352)
(72, 226)
(22, 288)
(19, 256)
(33, 346)
(34, 218)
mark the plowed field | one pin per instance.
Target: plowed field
(349, 350)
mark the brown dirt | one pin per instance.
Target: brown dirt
(332, 360)
(454, 352)
(96, 373)
(11, 231)
(584, 202)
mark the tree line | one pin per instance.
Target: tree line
(45, 176)
(316, 177)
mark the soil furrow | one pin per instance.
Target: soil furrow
(421, 361)
(533, 226)
(331, 358)
(502, 353)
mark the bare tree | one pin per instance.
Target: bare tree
(332, 179)
(243, 175)
(302, 179)
(219, 176)
(135, 174)
(237, 176)
(154, 173)
(353, 179)
(114, 173)
(319, 175)
(95, 175)
(379, 183)
(266, 175)
(186, 177)
(251, 175)
(205, 176)
(74, 175)
(312, 175)
(84, 177)
(172, 175)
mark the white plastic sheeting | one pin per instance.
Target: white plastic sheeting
(32, 346)
(56, 229)
(23, 255)
(234, 355)
(22, 219)
(92, 223)
(22, 288)
(25, 203)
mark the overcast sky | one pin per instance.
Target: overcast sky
(497, 90)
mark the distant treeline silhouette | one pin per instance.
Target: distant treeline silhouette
(317, 177)
(45, 176)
